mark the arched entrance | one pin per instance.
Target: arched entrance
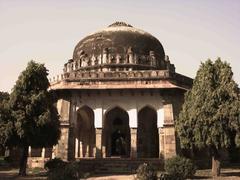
(147, 133)
(85, 133)
(117, 133)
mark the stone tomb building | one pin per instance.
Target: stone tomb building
(118, 97)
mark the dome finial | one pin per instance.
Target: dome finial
(120, 23)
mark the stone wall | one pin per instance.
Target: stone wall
(166, 103)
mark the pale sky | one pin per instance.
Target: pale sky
(190, 31)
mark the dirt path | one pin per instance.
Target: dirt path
(226, 174)
(113, 177)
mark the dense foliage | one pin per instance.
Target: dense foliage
(30, 117)
(179, 167)
(33, 108)
(61, 170)
(55, 163)
(210, 113)
(146, 171)
(7, 133)
(3, 96)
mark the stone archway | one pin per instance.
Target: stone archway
(147, 133)
(116, 133)
(85, 133)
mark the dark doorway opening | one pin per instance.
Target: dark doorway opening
(147, 134)
(117, 133)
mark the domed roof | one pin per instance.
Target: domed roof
(118, 38)
(119, 47)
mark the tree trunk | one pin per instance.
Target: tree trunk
(216, 163)
(23, 161)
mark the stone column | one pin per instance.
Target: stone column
(133, 153)
(76, 147)
(29, 151)
(87, 150)
(80, 149)
(63, 106)
(98, 142)
(43, 153)
(161, 142)
(169, 130)
(169, 142)
(103, 151)
(53, 152)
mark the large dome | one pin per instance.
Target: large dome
(119, 47)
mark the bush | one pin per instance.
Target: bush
(69, 171)
(179, 167)
(54, 164)
(164, 176)
(146, 172)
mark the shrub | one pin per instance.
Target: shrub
(179, 167)
(164, 176)
(69, 171)
(37, 170)
(54, 164)
(146, 172)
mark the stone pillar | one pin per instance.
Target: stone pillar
(133, 153)
(94, 152)
(161, 142)
(53, 152)
(132, 113)
(80, 149)
(103, 151)
(43, 153)
(98, 114)
(169, 130)
(87, 150)
(168, 113)
(169, 142)
(76, 147)
(98, 143)
(29, 151)
(63, 144)
(63, 107)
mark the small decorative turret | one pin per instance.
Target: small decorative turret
(130, 55)
(169, 66)
(105, 56)
(152, 58)
(93, 60)
(65, 68)
(118, 58)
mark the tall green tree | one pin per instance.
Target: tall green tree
(210, 113)
(6, 125)
(3, 96)
(34, 120)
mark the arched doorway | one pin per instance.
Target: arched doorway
(85, 133)
(117, 133)
(147, 133)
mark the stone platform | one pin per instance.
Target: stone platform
(116, 165)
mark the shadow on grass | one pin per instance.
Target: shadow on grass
(202, 177)
(109, 174)
(226, 174)
(12, 173)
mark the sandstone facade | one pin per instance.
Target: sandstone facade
(118, 97)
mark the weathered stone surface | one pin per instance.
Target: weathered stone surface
(133, 143)
(121, 68)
